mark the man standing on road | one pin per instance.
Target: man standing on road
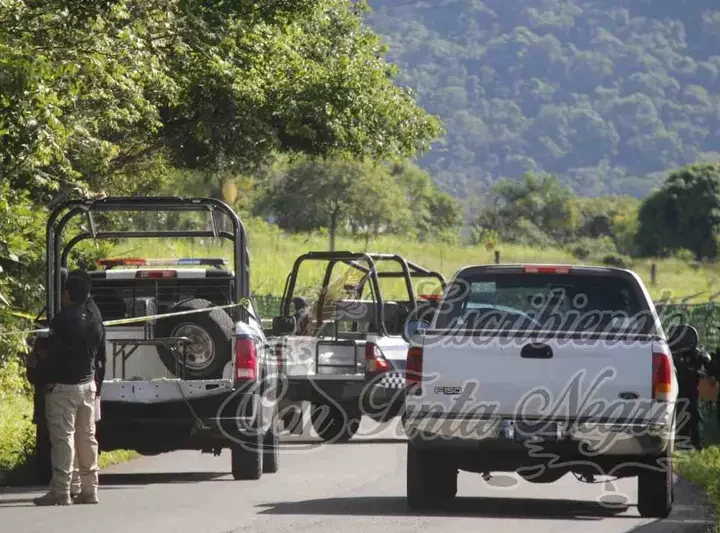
(76, 484)
(72, 370)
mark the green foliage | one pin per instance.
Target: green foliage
(605, 94)
(703, 469)
(21, 268)
(535, 210)
(540, 211)
(359, 197)
(313, 194)
(17, 434)
(92, 94)
(435, 214)
(683, 214)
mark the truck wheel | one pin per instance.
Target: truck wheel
(380, 412)
(271, 448)
(336, 423)
(429, 483)
(655, 490)
(211, 333)
(247, 457)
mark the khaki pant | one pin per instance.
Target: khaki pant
(71, 422)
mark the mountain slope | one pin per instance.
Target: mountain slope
(608, 94)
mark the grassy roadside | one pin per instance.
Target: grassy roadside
(703, 469)
(17, 440)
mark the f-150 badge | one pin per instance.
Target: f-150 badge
(448, 390)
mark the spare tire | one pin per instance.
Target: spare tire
(211, 333)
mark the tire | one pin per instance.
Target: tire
(655, 490)
(429, 483)
(335, 423)
(384, 412)
(211, 333)
(246, 456)
(271, 448)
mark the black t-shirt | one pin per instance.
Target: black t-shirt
(77, 346)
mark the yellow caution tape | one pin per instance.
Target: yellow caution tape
(137, 320)
(19, 314)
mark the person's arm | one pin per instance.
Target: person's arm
(100, 363)
(46, 364)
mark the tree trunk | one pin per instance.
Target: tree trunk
(333, 229)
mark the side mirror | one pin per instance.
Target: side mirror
(412, 327)
(683, 338)
(283, 325)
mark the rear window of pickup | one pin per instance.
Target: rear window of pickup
(572, 302)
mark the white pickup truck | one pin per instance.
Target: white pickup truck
(542, 370)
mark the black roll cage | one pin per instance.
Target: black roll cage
(62, 214)
(408, 271)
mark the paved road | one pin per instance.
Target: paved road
(353, 487)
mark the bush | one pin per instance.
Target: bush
(615, 260)
(685, 255)
(17, 433)
(586, 247)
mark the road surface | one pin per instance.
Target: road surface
(358, 487)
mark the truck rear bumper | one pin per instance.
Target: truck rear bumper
(321, 388)
(586, 440)
(195, 423)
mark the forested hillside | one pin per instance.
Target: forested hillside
(604, 93)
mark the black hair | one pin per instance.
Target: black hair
(78, 285)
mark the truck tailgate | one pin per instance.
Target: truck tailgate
(495, 376)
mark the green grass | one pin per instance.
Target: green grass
(272, 254)
(703, 469)
(17, 433)
(17, 438)
(116, 457)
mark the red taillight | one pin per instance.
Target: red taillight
(662, 376)
(374, 359)
(414, 366)
(156, 274)
(546, 269)
(245, 359)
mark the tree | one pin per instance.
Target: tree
(92, 91)
(683, 214)
(314, 194)
(378, 204)
(533, 204)
(434, 213)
